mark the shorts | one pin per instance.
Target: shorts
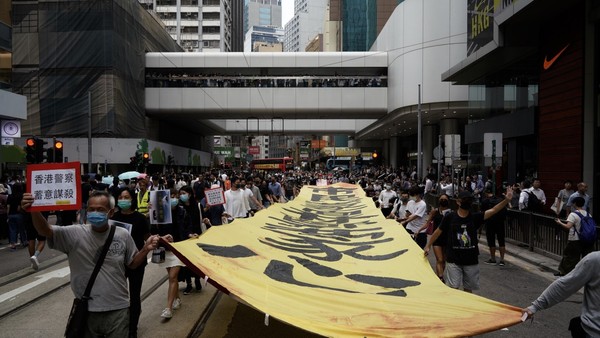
(32, 234)
(170, 261)
(465, 275)
(493, 231)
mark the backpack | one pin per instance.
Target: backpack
(587, 228)
(533, 202)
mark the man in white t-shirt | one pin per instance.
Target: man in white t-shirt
(386, 200)
(416, 209)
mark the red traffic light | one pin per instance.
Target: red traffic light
(30, 142)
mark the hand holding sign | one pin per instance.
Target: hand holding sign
(54, 186)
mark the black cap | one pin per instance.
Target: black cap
(465, 194)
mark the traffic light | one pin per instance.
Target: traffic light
(39, 150)
(146, 159)
(58, 151)
(30, 150)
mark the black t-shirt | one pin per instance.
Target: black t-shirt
(461, 235)
(139, 226)
(489, 203)
(86, 188)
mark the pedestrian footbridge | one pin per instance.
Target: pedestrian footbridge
(290, 86)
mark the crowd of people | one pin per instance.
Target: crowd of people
(222, 81)
(453, 234)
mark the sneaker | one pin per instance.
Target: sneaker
(176, 303)
(501, 263)
(167, 313)
(188, 289)
(35, 264)
(490, 261)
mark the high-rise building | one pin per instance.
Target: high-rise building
(353, 25)
(261, 13)
(264, 37)
(5, 44)
(201, 26)
(306, 23)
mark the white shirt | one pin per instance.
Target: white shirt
(419, 209)
(234, 203)
(384, 198)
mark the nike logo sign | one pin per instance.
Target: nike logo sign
(548, 63)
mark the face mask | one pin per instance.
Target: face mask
(124, 204)
(174, 202)
(184, 198)
(97, 219)
(466, 204)
(387, 187)
(444, 203)
(404, 200)
(413, 198)
(238, 186)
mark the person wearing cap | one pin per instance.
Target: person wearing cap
(460, 231)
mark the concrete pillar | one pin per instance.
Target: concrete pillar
(522, 94)
(394, 141)
(429, 142)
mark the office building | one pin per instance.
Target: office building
(265, 38)
(261, 13)
(306, 23)
(201, 26)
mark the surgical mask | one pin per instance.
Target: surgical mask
(387, 187)
(184, 198)
(124, 204)
(174, 202)
(413, 198)
(444, 203)
(97, 219)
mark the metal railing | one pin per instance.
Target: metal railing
(538, 232)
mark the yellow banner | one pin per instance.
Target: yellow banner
(330, 263)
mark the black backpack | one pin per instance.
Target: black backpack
(533, 202)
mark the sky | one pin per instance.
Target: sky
(287, 11)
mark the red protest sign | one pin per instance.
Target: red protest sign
(54, 186)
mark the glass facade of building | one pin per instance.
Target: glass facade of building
(360, 24)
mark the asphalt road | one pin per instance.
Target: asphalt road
(517, 283)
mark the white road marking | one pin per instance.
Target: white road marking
(60, 273)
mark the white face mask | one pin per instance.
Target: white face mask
(413, 198)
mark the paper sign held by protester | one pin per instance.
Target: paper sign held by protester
(160, 207)
(214, 196)
(126, 226)
(54, 186)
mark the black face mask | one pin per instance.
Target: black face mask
(404, 200)
(444, 203)
(238, 186)
(466, 204)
